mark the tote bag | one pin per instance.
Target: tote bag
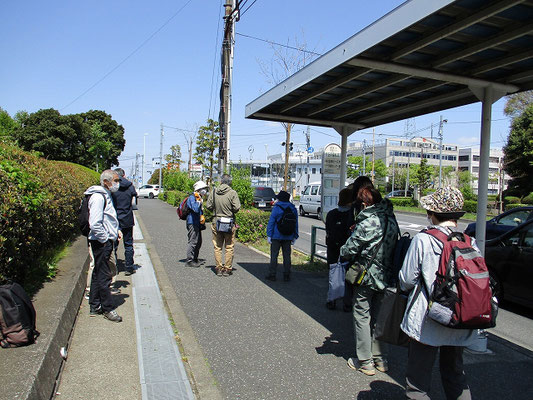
(336, 280)
(390, 317)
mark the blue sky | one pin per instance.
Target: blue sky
(158, 62)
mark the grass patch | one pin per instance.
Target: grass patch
(37, 276)
(300, 261)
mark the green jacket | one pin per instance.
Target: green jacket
(361, 245)
(223, 201)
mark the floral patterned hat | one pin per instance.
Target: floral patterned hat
(446, 200)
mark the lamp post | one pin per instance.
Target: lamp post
(442, 121)
(144, 157)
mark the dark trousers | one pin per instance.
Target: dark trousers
(420, 364)
(194, 241)
(127, 237)
(285, 246)
(101, 278)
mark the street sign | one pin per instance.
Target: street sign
(310, 150)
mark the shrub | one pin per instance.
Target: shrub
(403, 202)
(511, 200)
(39, 201)
(509, 206)
(470, 206)
(178, 180)
(528, 199)
(242, 184)
(492, 197)
(251, 225)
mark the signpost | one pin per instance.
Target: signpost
(331, 179)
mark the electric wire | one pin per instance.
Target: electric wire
(277, 44)
(250, 6)
(214, 64)
(128, 56)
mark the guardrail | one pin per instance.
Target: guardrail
(314, 244)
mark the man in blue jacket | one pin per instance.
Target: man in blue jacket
(122, 200)
(282, 231)
(195, 222)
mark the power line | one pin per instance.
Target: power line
(277, 44)
(214, 61)
(250, 6)
(128, 57)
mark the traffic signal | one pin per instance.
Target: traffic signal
(290, 146)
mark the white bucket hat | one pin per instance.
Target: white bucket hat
(199, 186)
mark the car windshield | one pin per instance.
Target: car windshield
(265, 192)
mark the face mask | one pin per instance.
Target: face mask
(202, 192)
(114, 187)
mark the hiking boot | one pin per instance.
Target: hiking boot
(271, 277)
(96, 311)
(366, 368)
(286, 277)
(346, 308)
(129, 270)
(381, 365)
(189, 263)
(219, 271)
(113, 316)
(202, 262)
(330, 305)
(226, 272)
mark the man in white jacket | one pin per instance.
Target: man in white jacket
(103, 224)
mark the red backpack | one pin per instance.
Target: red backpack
(183, 209)
(462, 295)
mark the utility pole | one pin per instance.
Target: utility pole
(161, 157)
(441, 124)
(230, 16)
(136, 169)
(288, 148)
(393, 159)
(364, 156)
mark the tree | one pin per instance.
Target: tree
(464, 181)
(423, 176)
(518, 152)
(7, 124)
(380, 169)
(517, 103)
(242, 185)
(206, 144)
(113, 132)
(100, 148)
(174, 158)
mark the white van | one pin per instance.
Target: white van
(310, 199)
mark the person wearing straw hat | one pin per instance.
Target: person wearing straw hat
(444, 208)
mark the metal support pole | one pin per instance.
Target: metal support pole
(344, 161)
(393, 173)
(313, 242)
(441, 127)
(161, 158)
(364, 156)
(483, 179)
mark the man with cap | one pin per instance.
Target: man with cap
(278, 239)
(195, 223)
(444, 208)
(339, 224)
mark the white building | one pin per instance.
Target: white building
(469, 161)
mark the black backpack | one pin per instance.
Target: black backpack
(17, 317)
(287, 222)
(83, 214)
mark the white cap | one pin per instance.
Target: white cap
(199, 185)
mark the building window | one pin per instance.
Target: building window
(494, 159)
(475, 169)
(313, 171)
(475, 158)
(464, 158)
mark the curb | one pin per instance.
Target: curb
(31, 372)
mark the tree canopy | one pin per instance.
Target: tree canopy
(206, 144)
(518, 152)
(517, 103)
(92, 139)
(380, 170)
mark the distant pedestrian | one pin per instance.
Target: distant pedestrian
(123, 202)
(195, 222)
(372, 246)
(282, 232)
(104, 230)
(427, 337)
(225, 203)
(339, 224)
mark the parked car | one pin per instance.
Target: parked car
(310, 199)
(264, 198)
(503, 223)
(399, 193)
(509, 259)
(150, 191)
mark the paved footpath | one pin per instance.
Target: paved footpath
(243, 338)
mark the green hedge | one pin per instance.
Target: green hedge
(509, 206)
(470, 206)
(528, 199)
(251, 225)
(403, 202)
(511, 200)
(39, 200)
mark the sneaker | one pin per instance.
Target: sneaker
(367, 368)
(271, 277)
(129, 270)
(87, 293)
(219, 271)
(200, 262)
(286, 277)
(225, 272)
(330, 305)
(113, 316)
(96, 311)
(114, 290)
(381, 365)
